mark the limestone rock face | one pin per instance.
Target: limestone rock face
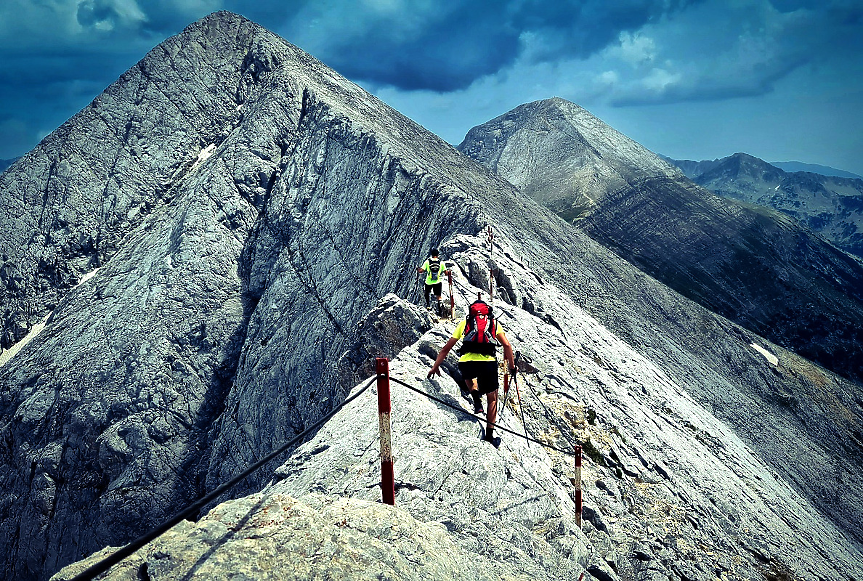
(244, 206)
(757, 268)
(252, 246)
(670, 491)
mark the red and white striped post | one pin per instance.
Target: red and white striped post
(451, 297)
(388, 485)
(577, 482)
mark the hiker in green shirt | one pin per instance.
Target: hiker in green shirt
(435, 271)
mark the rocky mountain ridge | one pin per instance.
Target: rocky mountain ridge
(249, 212)
(832, 206)
(757, 268)
(660, 500)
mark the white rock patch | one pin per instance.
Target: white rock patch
(14, 349)
(37, 328)
(204, 154)
(770, 357)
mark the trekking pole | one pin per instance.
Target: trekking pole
(490, 237)
(505, 391)
(520, 405)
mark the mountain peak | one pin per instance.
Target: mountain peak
(585, 154)
(828, 205)
(639, 205)
(228, 194)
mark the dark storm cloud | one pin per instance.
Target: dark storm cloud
(446, 46)
(579, 29)
(144, 19)
(448, 53)
(57, 55)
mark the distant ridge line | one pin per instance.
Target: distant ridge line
(786, 166)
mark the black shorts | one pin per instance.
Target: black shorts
(485, 373)
(436, 288)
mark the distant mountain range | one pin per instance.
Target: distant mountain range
(694, 168)
(814, 168)
(830, 205)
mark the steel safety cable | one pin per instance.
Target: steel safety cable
(123, 552)
(467, 413)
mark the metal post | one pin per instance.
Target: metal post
(451, 297)
(577, 482)
(388, 485)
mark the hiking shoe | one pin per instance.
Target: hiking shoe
(493, 441)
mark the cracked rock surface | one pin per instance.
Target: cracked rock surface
(274, 536)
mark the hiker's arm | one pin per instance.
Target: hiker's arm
(442, 355)
(507, 350)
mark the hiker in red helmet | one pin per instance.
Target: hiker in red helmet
(480, 335)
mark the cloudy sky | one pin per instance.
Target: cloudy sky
(691, 79)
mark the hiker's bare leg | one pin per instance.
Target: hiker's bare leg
(473, 389)
(492, 413)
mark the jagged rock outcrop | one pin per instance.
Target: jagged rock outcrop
(387, 329)
(235, 261)
(829, 205)
(759, 269)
